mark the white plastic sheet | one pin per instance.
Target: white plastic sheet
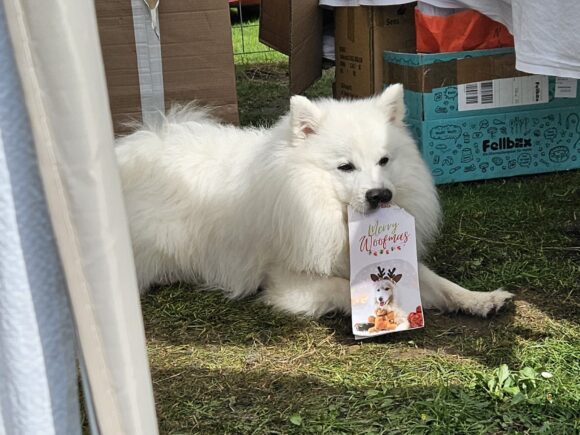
(38, 378)
(57, 51)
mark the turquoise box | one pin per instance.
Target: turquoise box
(486, 142)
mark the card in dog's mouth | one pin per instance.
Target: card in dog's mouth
(384, 281)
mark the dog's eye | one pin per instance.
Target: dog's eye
(346, 167)
(383, 161)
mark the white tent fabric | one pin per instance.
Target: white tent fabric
(57, 52)
(38, 379)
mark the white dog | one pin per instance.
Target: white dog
(242, 209)
(385, 285)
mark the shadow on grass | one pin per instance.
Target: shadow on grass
(521, 233)
(198, 400)
(183, 316)
(490, 341)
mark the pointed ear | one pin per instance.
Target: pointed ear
(392, 103)
(397, 278)
(304, 117)
(374, 277)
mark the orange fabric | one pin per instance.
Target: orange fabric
(463, 31)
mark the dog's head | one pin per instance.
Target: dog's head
(384, 294)
(362, 145)
(385, 286)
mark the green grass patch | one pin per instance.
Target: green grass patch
(238, 367)
(263, 94)
(246, 42)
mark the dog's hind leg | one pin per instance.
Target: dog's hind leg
(310, 295)
(442, 294)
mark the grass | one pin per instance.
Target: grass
(240, 368)
(246, 44)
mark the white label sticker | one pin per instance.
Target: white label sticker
(566, 88)
(516, 91)
(384, 279)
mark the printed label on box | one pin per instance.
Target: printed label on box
(384, 280)
(516, 91)
(565, 87)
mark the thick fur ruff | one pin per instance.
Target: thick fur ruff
(241, 209)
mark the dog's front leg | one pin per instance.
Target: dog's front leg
(305, 294)
(442, 294)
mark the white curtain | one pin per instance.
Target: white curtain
(38, 380)
(67, 139)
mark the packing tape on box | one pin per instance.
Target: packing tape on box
(149, 62)
(453, 72)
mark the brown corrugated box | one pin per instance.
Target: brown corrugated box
(361, 35)
(196, 51)
(295, 29)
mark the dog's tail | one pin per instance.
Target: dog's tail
(190, 112)
(177, 114)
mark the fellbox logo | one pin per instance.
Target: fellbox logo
(506, 143)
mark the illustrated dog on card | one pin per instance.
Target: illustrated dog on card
(243, 209)
(387, 315)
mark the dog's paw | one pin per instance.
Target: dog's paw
(490, 303)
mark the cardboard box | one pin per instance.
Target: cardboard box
(191, 60)
(475, 117)
(295, 29)
(362, 33)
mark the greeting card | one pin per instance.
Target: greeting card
(384, 280)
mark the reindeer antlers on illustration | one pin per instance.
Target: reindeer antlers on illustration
(391, 275)
(380, 276)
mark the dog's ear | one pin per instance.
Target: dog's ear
(392, 103)
(397, 278)
(304, 116)
(374, 277)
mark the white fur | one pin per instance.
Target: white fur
(241, 209)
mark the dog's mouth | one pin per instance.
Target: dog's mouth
(365, 207)
(384, 204)
(381, 304)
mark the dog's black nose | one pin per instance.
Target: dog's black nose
(381, 299)
(378, 196)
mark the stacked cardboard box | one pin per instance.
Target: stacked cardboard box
(473, 114)
(361, 36)
(476, 117)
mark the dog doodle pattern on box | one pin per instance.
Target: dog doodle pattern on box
(500, 145)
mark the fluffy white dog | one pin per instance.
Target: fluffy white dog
(243, 209)
(385, 285)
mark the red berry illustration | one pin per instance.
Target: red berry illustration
(415, 319)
